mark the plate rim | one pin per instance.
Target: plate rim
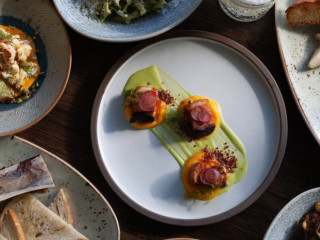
(283, 209)
(63, 87)
(283, 133)
(289, 80)
(80, 175)
(127, 40)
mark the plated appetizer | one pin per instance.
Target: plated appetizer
(206, 173)
(122, 10)
(19, 68)
(146, 107)
(191, 128)
(200, 116)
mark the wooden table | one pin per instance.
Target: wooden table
(65, 131)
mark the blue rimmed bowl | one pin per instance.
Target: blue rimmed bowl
(173, 13)
(54, 56)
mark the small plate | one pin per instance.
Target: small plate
(143, 172)
(285, 225)
(93, 216)
(296, 45)
(173, 13)
(54, 59)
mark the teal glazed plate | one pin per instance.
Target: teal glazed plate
(54, 56)
(92, 214)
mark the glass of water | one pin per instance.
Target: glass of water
(246, 10)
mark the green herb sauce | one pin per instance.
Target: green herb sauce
(179, 146)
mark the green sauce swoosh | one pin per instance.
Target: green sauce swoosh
(179, 147)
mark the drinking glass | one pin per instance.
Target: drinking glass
(246, 10)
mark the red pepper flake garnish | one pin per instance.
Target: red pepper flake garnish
(226, 160)
(166, 97)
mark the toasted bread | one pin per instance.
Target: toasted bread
(61, 207)
(11, 228)
(39, 222)
(304, 12)
(2, 237)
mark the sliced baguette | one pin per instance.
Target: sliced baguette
(39, 222)
(11, 228)
(2, 237)
(304, 12)
(61, 207)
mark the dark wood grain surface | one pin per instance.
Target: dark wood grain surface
(65, 131)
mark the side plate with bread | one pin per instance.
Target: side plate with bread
(296, 27)
(72, 209)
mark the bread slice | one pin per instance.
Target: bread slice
(39, 222)
(61, 207)
(2, 237)
(304, 12)
(11, 228)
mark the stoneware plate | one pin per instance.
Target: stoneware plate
(144, 174)
(173, 13)
(93, 216)
(296, 46)
(54, 56)
(286, 223)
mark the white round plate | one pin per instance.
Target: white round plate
(286, 224)
(54, 58)
(144, 174)
(92, 214)
(173, 13)
(296, 45)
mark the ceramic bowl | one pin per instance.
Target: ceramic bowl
(92, 214)
(54, 56)
(285, 225)
(174, 12)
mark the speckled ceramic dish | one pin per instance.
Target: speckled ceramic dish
(296, 45)
(285, 225)
(93, 216)
(173, 13)
(144, 174)
(54, 56)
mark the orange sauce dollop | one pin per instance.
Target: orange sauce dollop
(198, 191)
(159, 116)
(214, 110)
